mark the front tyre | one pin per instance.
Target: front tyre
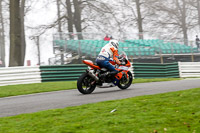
(86, 84)
(125, 81)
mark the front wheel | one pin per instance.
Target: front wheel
(86, 84)
(125, 81)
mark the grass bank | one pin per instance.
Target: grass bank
(14, 90)
(174, 112)
(154, 80)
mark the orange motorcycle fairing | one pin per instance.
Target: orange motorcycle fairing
(128, 64)
(90, 63)
(119, 75)
(126, 74)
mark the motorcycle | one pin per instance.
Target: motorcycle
(96, 76)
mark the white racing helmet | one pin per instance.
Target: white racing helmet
(114, 43)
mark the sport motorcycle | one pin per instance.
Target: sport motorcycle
(96, 76)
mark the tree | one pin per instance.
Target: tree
(59, 16)
(69, 17)
(183, 24)
(139, 19)
(196, 5)
(174, 16)
(2, 36)
(198, 10)
(23, 39)
(15, 34)
(104, 17)
(77, 18)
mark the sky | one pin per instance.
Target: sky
(40, 15)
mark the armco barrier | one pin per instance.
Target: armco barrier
(189, 69)
(154, 70)
(25, 75)
(62, 72)
(19, 75)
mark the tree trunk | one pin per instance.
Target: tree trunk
(183, 11)
(38, 48)
(60, 31)
(184, 23)
(15, 34)
(58, 13)
(77, 18)
(2, 36)
(139, 19)
(198, 8)
(23, 39)
(69, 18)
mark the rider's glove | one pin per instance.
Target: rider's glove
(117, 62)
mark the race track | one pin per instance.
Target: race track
(15, 105)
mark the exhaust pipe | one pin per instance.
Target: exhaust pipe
(91, 74)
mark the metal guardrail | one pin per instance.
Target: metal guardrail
(189, 69)
(155, 70)
(62, 72)
(71, 72)
(19, 75)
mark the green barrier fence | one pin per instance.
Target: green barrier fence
(141, 70)
(154, 70)
(62, 72)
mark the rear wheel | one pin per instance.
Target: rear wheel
(86, 84)
(125, 82)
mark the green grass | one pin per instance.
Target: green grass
(154, 80)
(14, 90)
(174, 112)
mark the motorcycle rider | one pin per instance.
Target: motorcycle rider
(110, 50)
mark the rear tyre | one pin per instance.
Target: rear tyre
(86, 84)
(125, 82)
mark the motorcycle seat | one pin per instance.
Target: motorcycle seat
(102, 69)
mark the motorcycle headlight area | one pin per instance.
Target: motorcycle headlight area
(123, 68)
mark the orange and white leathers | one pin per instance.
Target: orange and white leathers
(109, 51)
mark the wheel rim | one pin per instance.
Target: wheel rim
(126, 81)
(87, 83)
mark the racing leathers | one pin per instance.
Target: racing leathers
(107, 52)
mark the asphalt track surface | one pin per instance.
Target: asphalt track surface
(15, 105)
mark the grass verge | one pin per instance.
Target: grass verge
(14, 90)
(174, 112)
(154, 80)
